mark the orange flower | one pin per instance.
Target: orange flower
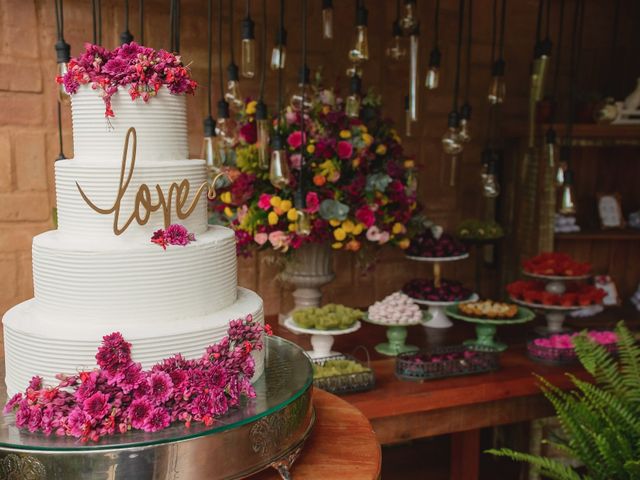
(319, 180)
(353, 246)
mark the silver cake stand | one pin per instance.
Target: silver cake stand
(267, 431)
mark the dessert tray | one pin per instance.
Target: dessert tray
(396, 336)
(438, 259)
(321, 340)
(486, 327)
(269, 430)
(344, 382)
(437, 315)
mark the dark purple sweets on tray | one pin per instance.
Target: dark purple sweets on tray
(425, 289)
(445, 362)
(426, 245)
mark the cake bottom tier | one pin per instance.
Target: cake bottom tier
(36, 345)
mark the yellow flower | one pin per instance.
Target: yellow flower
(355, 163)
(228, 212)
(364, 129)
(334, 223)
(251, 107)
(286, 205)
(226, 197)
(381, 149)
(293, 227)
(348, 226)
(345, 134)
(272, 218)
(339, 234)
(404, 243)
(357, 230)
(326, 109)
(368, 139)
(311, 149)
(398, 228)
(336, 245)
(275, 201)
(409, 163)
(292, 215)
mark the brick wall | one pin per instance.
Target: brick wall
(28, 134)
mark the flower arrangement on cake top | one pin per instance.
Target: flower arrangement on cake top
(361, 187)
(142, 70)
(174, 234)
(121, 396)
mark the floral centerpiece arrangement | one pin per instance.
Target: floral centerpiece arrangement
(142, 70)
(120, 396)
(360, 186)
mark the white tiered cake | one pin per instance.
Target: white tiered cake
(90, 282)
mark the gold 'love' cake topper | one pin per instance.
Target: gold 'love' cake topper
(144, 205)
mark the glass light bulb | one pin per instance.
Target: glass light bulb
(296, 99)
(211, 153)
(327, 23)
(279, 169)
(490, 185)
(248, 60)
(360, 51)
(407, 123)
(497, 90)
(233, 95)
(413, 77)
(409, 20)
(263, 143)
(464, 134)
(63, 96)
(451, 143)
(559, 176)
(567, 200)
(278, 57)
(226, 131)
(396, 50)
(552, 152)
(352, 105)
(303, 223)
(432, 79)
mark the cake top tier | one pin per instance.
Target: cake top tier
(131, 86)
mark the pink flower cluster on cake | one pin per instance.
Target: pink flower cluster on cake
(174, 235)
(395, 309)
(120, 396)
(142, 70)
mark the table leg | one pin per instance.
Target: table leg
(465, 455)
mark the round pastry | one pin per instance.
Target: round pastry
(488, 309)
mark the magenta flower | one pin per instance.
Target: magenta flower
(160, 387)
(295, 139)
(313, 202)
(78, 422)
(366, 216)
(157, 419)
(264, 202)
(114, 353)
(139, 411)
(97, 405)
(345, 150)
(249, 133)
(178, 235)
(296, 161)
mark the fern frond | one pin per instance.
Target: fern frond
(633, 468)
(553, 469)
(629, 353)
(600, 364)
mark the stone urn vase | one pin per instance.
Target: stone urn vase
(309, 268)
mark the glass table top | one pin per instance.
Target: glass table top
(287, 376)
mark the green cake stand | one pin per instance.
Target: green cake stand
(396, 336)
(486, 327)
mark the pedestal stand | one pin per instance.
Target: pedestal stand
(321, 340)
(396, 336)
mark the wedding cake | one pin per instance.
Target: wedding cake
(99, 272)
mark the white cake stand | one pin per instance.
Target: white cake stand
(321, 340)
(436, 316)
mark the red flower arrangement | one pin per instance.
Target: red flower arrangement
(174, 235)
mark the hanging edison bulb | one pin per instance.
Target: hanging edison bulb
(413, 73)
(395, 50)
(542, 53)
(451, 143)
(279, 166)
(551, 148)
(409, 19)
(279, 52)
(210, 147)
(327, 19)
(303, 219)
(248, 50)
(63, 54)
(432, 79)
(359, 53)
(262, 125)
(497, 87)
(298, 95)
(226, 128)
(490, 185)
(465, 118)
(567, 204)
(233, 95)
(352, 104)
(407, 118)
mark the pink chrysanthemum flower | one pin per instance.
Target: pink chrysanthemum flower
(160, 387)
(157, 419)
(97, 405)
(139, 410)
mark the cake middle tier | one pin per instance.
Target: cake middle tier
(101, 184)
(112, 281)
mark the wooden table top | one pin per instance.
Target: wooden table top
(342, 445)
(400, 410)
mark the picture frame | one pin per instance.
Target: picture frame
(610, 210)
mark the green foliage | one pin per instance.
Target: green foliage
(601, 421)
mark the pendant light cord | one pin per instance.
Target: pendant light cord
(502, 27)
(264, 50)
(468, 52)
(576, 40)
(248, 8)
(126, 15)
(209, 52)
(141, 13)
(494, 31)
(220, 74)
(233, 60)
(59, 19)
(96, 14)
(436, 25)
(456, 85)
(558, 55)
(606, 84)
(548, 20)
(174, 21)
(279, 103)
(303, 142)
(539, 25)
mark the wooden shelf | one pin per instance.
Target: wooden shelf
(604, 235)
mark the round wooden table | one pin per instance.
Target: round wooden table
(342, 445)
